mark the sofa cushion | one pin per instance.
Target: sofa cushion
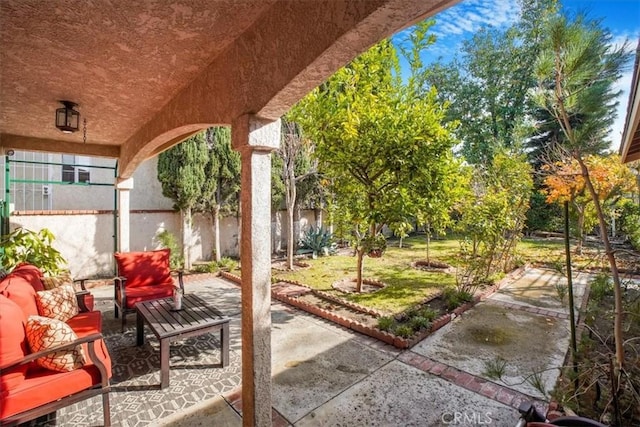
(146, 293)
(58, 303)
(20, 291)
(86, 323)
(13, 344)
(53, 282)
(44, 333)
(43, 386)
(144, 268)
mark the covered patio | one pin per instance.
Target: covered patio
(326, 374)
(146, 75)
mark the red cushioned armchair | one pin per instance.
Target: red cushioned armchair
(142, 276)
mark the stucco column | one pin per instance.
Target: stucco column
(255, 139)
(124, 188)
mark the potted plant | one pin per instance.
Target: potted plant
(22, 245)
(374, 246)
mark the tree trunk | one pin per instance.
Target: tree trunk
(290, 246)
(296, 224)
(239, 225)
(618, 315)
(216, 232)
(186, 237)
(428, 230)
(276, 232)
(580, 228)
(319, 219)
(360, 253)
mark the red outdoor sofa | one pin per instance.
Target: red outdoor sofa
(51, 349)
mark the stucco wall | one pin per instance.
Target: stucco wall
(86, 240)
(147, 191)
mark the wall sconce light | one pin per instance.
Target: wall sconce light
(67, 119)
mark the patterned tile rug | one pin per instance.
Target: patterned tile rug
(136, 398)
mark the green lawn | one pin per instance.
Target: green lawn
(551, 253)
(406, 286)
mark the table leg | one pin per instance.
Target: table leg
(164, 363)
(139, 329)
(224, 341)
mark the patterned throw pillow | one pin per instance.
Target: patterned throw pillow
(44, 333)
(59, 303)
(53, 282)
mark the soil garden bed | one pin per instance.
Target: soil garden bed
(432, 266)
(401, 330)
(349, 285)
(595, 352)
(282, 265)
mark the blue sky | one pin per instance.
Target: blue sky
(621, 17)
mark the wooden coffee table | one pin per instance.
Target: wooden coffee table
(195, 318)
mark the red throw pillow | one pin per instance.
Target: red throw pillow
(144, 268)
(13, 343)
(30, 273)
(18, 290)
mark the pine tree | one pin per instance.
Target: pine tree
(576, 70)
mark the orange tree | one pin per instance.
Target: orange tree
(376, 136)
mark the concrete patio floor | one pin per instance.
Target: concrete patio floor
(326, 375)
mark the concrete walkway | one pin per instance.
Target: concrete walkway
(326, 375)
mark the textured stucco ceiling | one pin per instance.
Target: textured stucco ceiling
(120, 61)
(148, 73)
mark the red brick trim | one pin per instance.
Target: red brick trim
(86, 212)
(468, 381)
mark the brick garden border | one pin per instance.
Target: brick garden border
(387, 337)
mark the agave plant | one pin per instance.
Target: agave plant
(318, 239)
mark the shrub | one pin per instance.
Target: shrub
(228, 264)
(168, 240)
(404, 331)
(22, 245)
(385, 323)
(472, 270)
(210, 267)
(411, 312)
(455, 298)
(630, 217)
(601, 286)
(419, 322)
(428, 313)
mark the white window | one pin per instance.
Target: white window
(75, 174)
